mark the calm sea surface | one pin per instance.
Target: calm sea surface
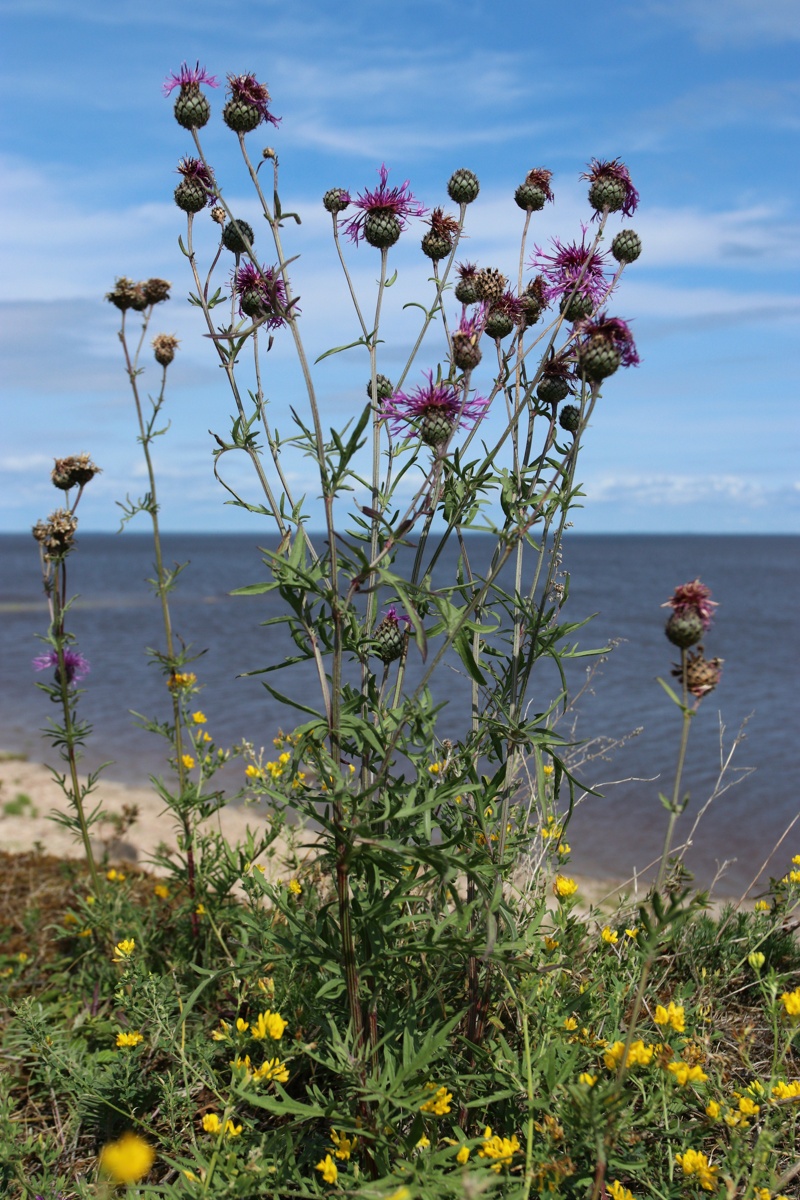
(621, 579)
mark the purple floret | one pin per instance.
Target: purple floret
(571, 262)
(186, 76)
(247, 88)
(75, 665)
(614, 169)
(271, 290)
(404, 410)
(614, 330)
(396, 200)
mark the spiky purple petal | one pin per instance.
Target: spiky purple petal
(396, 200)
(76, 666)
(188, 75)
(404, 410)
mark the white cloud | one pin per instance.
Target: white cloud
(716, 22)
(679, 491)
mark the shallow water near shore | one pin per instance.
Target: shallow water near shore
(622, 579)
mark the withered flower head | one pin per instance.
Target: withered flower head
(164, 347)
(127, 294)
(57, 534)
(75, 471)
(702, 674)
(156, 290)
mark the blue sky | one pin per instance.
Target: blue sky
(699, 98)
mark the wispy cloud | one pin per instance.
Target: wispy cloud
(679, 491)
(728, 21)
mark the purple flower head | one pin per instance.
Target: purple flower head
(397, 200)
(263, 294)
(472, 327)
(436, 405)
(570, 263)
(193, 168)
(613, 330)
(76, 666)
(614, 170)
(693, 597)
(248, 89)
(390, 614)
(188, 76)
(509, 305)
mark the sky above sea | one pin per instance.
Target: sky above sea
(699, 99)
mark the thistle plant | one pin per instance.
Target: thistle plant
(56, 540)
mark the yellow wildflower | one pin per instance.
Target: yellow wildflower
(713, 1109)
(587, 1079)
(693, 1162)
(436, 768)
(639, 1054)
(242, 1026)
(90, 900)
(404, 1194)
(344, 1145)
(632, 933)
(564, 887)
(127, 1160)
(221, 1034)
(113, 876)
(200, 910)
(187, 761)
(295, 887)
(439, 1103)
(85, 933)
(794, 877)
(786, 1091)
(327, 1167)
(424, 1143)
(181, 679)
(761, 906)
(550, 943)
(162, 891)
(253, 772)
(498, 1148)
(208, 738)
(232, 1130)
(685, 1074)
(211, 1123)
(199, 718)
(273, 1068)
(609, 935)
(462, 1155)
(548, 770)
(268, 1024)
(124, 949)
(570, 1023)
(796, 860)
(129, 1039)
(748, 1107)
(618, 1192)
(673, 1016)
(791, 1002)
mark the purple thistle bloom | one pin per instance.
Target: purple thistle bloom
(76, 666)
(473, 326)
(437, 405)
(693, 597)
(566, 266)
(248, 89)
(613, 330)
(188, 76)
(390, 614)
(599, 170)
(194, 168)
(397, 200)
(267, 292)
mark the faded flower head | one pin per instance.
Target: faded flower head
(465, 289)
(156, 290)
(75, 471)
(188, 77)
(611, 187)
(383, 202)
(535, 191)
(57, 534)
(76, 667)
(164, 347)
(127, 294)
(693, 597)
(196, 170)
(248, 105)
(433, 411)
(466, 339)
(568, 264)
(262, 294)
(702, 674)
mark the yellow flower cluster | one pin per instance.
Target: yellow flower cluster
(609, 935)
(188, 761)
(113, 876)
(439, 1103)
(124, 949)
(295, 887)
(268, 1024)
(618, 1191)
(564, 887)
(199, 718)
(673, 1017)
(127, 1040)
(639, 1055)
(328, 1169)
(180, 680)
(212, 1124)
(787, 1091)
(693, 1162)
(127, 1160)
(343, 1145)
(684, 1074)
(791, 1003)
(162, 891)
(500, 1149)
